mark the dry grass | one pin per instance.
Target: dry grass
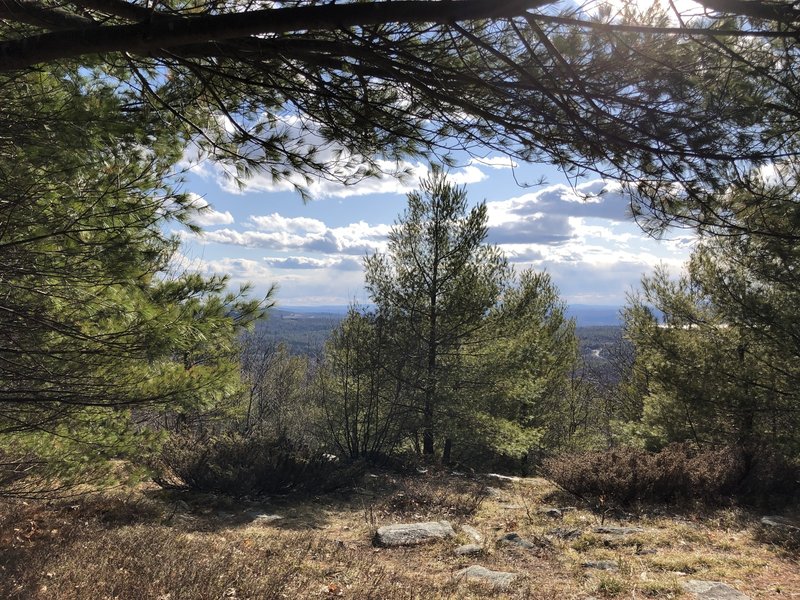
(145, 544)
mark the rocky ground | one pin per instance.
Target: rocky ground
(430, 535)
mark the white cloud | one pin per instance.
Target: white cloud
(580, 235)
(206, 215)
(393, 178)
(300, 285)
(544, 216)
(276, 222)
(346, 263)
(301, 234)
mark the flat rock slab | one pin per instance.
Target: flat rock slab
(498, 579)
(412, 534)
(468, 550)
(602, 565)
(712, 590)
(619, 531)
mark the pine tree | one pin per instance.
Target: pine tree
(97, 333)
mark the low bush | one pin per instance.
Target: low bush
(679, 472)
(239, 465)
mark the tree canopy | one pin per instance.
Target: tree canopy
(680, 106)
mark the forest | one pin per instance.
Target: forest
(121, 371)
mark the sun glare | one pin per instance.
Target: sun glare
(684, 8)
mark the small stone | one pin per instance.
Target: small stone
(553, 513)
(411, 534)
(603, 565)
(472, 533)
(712, 590)
(468, 550)
(498, 579)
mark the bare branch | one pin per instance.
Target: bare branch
(40, 15)
(149, 37)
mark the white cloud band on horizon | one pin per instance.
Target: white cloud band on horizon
(582, 236)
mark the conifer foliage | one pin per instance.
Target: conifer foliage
(97, 333)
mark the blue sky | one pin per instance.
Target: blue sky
(264, 233)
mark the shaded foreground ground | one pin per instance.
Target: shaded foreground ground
(148, 544)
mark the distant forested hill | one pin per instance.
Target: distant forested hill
(304, 330)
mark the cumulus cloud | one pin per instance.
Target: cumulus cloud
(304, 262)
(276, 223)
(206, 215)
(295, 284)
(543, 216)
(580, 235)
(276, 232)
(348, 174)
(392, 178)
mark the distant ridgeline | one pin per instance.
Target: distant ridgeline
(304, 329)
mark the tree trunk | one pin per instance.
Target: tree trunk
(448, 447)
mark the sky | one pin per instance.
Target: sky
(264, 234)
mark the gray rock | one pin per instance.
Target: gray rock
(263, 518)
(619, 531)
(473, 533)
(498, 579)
(504, 477)
(468, 550)
(513, 539)
(564, 533)
(780, 523)
(554, 513)
(603, 565)
(411, 534)
(712, 590)
(495, 493)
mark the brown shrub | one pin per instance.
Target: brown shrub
(429, 498)
(679, 472)
(239, 466)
